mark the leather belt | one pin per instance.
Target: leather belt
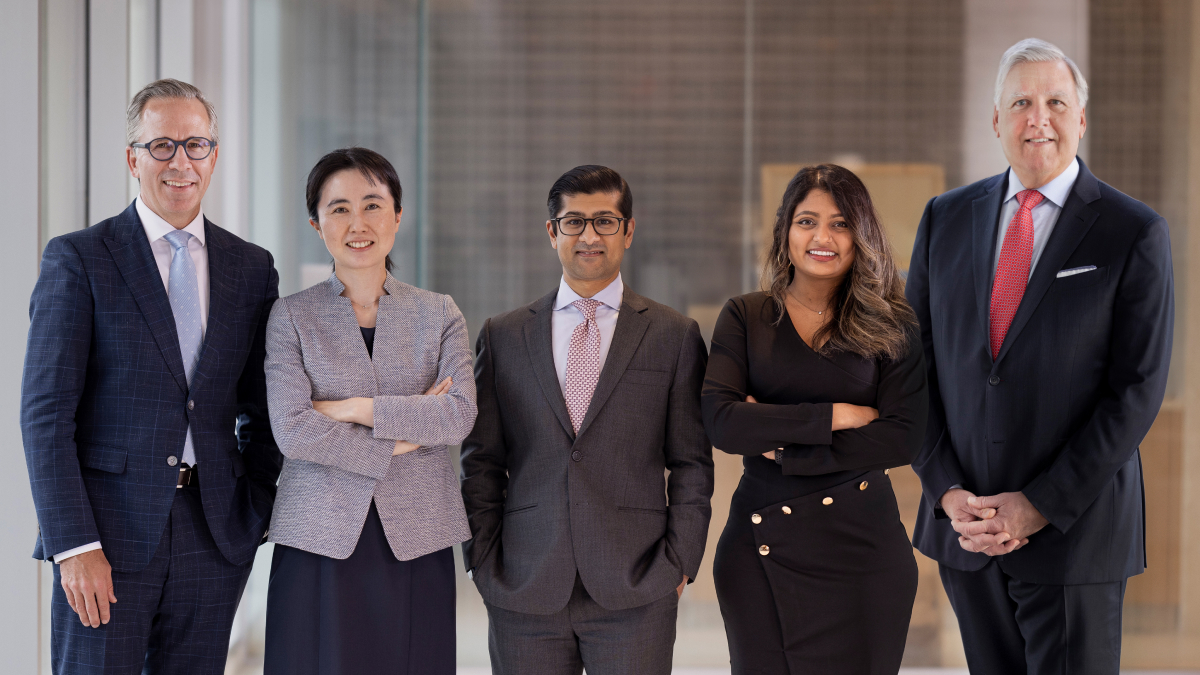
(187, 476)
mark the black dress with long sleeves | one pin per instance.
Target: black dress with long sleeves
(814, 570)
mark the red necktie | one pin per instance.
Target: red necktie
(1012, 273)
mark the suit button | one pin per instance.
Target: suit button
(764, 549)
(994, 380)
(172, 460)
(862, 485)
(787, 510)
(576, 455)
(191, 405)
(827, 501)
(756, 519)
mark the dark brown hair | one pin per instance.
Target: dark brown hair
(870, 316)
(373, 166)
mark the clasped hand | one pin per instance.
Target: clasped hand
(361, 410)
(994, 525)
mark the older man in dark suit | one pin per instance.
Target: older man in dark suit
(585, 398)
(145, 353)
(1046, 370)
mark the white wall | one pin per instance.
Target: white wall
(991, 28)
(19, 620)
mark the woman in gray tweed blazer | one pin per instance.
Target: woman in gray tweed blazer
(362, 578)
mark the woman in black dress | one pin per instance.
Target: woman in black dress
(820, 383)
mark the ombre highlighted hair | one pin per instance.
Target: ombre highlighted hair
(870, 316)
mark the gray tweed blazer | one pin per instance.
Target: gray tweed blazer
(332, 470)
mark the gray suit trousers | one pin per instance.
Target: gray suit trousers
(635, 641)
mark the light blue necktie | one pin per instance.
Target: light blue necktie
(184, 292)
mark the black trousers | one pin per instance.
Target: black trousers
(636, 641)
(369, 613)
(809, 587)
(173, 616)
(1012, 627)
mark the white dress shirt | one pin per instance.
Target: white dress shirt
(566, 317)
(156, 228)
(1045, 214)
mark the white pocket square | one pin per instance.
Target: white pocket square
(1075, 270)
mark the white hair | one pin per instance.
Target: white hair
(1033, 50)
(166, 88)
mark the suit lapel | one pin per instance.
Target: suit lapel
(223, 277)
(539, 342)
(985, 216)
(1073, 224)
(631, 326)
(132, 254)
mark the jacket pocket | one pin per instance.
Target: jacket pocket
(518, 509)
(102, 457)
(1081, 280)
(636, 509)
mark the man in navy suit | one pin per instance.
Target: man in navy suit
(1046, 369)
(143, 411)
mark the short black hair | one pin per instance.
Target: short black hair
(373, 166)
(590, 179)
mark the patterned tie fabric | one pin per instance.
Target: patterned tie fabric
(583, 362)
(184, 293)
(1012, 272)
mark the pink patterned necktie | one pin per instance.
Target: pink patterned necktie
(1012, 272)
(583, 362)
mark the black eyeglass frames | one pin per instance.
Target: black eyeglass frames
(163, 149)
(574, 225)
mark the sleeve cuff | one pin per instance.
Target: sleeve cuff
(59, 557)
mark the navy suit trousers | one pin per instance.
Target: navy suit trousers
(173, 616)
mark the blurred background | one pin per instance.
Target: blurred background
(706, 107)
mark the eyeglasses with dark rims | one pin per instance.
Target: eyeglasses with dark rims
(163, 149)
(575, 225)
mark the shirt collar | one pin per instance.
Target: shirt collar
(1056, 190)
(157, 228)
(610, 296)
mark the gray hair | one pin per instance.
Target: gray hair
(1033, 50)
(167, 88)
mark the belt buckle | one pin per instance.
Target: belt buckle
(186, 473)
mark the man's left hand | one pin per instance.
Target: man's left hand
(1015, 517)
(679, 591)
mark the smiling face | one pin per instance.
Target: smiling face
(820, 243)
(1039, 121)
(172, 189)
(358, 220)
(589, 259)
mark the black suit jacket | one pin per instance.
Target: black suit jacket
(105, 402)
(1078, 381)
(545, 504)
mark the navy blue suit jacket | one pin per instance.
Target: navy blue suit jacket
(104, 399)
(1078, 381)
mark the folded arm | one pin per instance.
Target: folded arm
(302, 432)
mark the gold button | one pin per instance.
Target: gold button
(827, 501)
(886, 471)
(764, 549)
(862, 485)
(787, 510)
(756, 519)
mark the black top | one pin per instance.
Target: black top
(796, 388)
(369, 338)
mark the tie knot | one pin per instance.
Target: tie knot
(1030, 198)
(588, 307)
(178, 239)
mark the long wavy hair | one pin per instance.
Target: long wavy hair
(870, 316)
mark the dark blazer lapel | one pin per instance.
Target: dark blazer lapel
(1073, 224)
(539, 342)
(224, 264)
(631, 326)
(132, 254)
(985, 217)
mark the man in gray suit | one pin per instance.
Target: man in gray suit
(586, 397)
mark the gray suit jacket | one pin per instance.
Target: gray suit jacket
(332, 470)
(545, 505)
